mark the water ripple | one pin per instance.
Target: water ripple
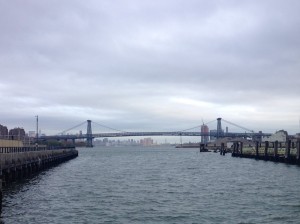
(132, 185)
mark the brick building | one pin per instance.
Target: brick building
(3, 132)
(17, 134)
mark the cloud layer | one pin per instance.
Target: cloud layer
(150, 65)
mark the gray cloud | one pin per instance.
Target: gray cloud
(150, 65)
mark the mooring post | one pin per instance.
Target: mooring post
(266, 149)
(276, 150)
(298, 152)
(287, 150)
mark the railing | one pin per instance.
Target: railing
(32, 149)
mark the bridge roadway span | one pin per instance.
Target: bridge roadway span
(132, 134)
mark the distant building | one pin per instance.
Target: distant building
(17, 134)
(3, 132)
(146, 142)
(31, 134)
(205, 131)
(280, 136)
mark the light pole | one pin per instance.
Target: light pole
(37, 129)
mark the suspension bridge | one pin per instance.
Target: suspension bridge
(89, 136)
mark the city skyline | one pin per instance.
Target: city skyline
(150, 65)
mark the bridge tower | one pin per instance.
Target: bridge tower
(89, 134)
(219, 128)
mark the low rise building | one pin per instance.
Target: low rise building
(280, 136)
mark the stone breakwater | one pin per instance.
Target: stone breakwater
(20, 162)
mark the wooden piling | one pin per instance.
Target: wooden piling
(276, 150)
(266, 150)
(233, 150)
(256, 149)
(298, 152)
(287, 150)
(13, 174)
(222, 151)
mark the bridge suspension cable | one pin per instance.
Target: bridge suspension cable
(239, 126)
(198, 126)
(60, 133)
(104, 126)
(189, 128)
(210, 122)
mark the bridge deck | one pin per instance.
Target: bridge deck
(132, 134)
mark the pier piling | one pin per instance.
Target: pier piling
(276, 150)
(287, 150)
(222, 151)
(256, 150)
(298, 152)
(266, 150)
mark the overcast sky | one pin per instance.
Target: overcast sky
(153, 65)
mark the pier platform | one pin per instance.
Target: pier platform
(20, 162)
(285, 152)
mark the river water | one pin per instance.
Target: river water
(156, 185)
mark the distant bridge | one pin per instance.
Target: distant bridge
(134, 134)
(89, 136)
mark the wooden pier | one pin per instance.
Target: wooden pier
(285, 152)
(21, 162)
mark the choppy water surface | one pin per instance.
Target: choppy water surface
(157, 185)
